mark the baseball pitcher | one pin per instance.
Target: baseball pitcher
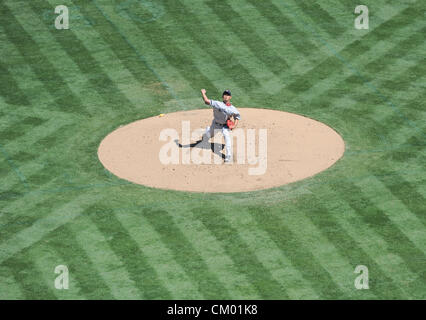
(226, 118)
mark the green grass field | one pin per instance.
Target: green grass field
(63, 91)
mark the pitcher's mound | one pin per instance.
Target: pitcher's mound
(271, 148)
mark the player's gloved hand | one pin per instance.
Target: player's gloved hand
(230, 124)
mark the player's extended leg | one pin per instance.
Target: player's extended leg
(210, 131)
(228, 144)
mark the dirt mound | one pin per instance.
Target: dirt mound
(271, 148)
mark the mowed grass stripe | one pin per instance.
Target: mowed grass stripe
(402, 74)
(390, 275)
(14, 191)
(413, 92)
(28, 277)
(320, 17)
(11, 132)
(20, 136)
(163, 40)
(360, 103)
(29, 87)
(266, 56)
(140, 270)
(40, 168)
(175, 277)
(384, 121)
(276, 43)
(35, 164)
(406, 192)
(44, 144)
(393, 116)
(408, 163)
(378, 14)
(384, 226)
(390, 132)
(211, 251)
(233, 20)
(22, 113)
(20, 215)
(395, 121)
(78, 82)
(12, 166)
(376, 134)
(356, 48)
(6, 168)
(99, 80)
(11, 290)
(47, 184)
(124, 50)
(202, 59)
(406, 157)
(126, 41)
(349, 244)
(79, 264)
(13, 126)
(7, 194)
(405, 220)
(271, 257)
(378, 54)
(221, 55)
(184, 253)
(7, 115)
(241, 55)
(322, 249)
(106, 263)
(46, 259)
(298, 38)
(407, 46)
(36, 91)
(380, 11)
(117, 71)
(43, 169)
(336, 10)
(26, 184)
(299, 254)
(65, 208)
(10, 122)
(401, 123)
(340, 46)
(344, 13)
(10, 89)
(400, 82)
(46, 73)
(240, 252)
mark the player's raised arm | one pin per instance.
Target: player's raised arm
(206, 100)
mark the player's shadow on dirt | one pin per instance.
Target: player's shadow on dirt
(214, 147)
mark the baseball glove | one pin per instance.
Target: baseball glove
(230, 124)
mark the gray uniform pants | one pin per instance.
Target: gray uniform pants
(214, 127)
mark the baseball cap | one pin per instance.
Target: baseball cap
(227, 93)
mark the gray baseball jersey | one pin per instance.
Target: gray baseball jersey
(222, 112)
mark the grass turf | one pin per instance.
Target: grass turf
(62, 91)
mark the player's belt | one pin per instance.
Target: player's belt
(221, 124)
